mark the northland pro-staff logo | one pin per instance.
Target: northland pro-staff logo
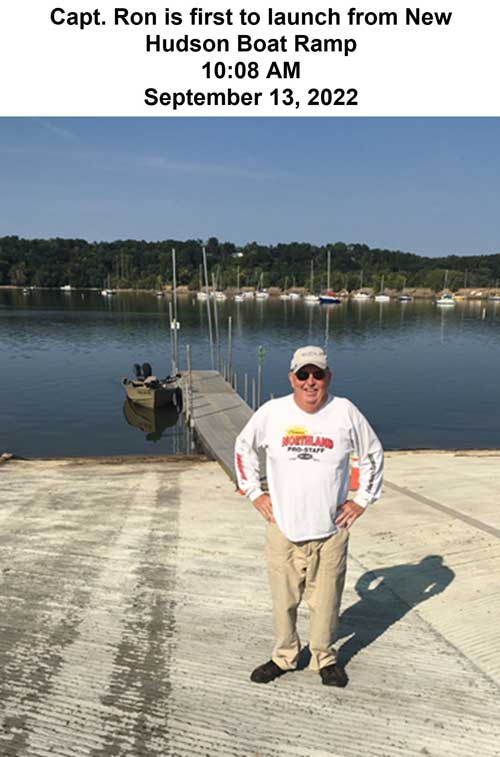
(304, 446)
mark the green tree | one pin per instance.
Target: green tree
(18, 274)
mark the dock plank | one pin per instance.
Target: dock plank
(218, 414)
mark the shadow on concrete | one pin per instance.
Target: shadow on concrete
(385, 596)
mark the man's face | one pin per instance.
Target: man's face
(309, 390)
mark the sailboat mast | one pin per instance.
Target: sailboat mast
(216, 320)
(174, 324)
(209, 315)
(328, 271)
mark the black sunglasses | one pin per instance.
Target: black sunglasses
(304, 373)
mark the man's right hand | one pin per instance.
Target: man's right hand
(264, 506)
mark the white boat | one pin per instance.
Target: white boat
(261, 294)
(201, 294)
(285, 294)
(447, 300)
(404, 297)
(382, 296)
(217, 292)
(249, 295)
(495, 297)
(311, 298)
(361, 296)
(238, 295)
(294, 296)
(66, 288)
(107, 291)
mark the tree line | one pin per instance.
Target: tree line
(148, 265)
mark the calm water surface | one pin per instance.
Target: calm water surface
(425, 377)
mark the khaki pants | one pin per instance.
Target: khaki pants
(317, 567)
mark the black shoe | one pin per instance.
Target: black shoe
(334, 675)
(267, 672)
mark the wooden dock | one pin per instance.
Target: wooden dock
(217, 413)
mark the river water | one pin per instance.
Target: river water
(425, 377)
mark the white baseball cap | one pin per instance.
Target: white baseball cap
(309, 355)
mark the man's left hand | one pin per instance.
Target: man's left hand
(348, 513)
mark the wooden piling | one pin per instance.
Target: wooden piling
(216, 319)
(209, 314)
(175, 324)
(229, 349)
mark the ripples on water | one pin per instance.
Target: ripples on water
(424, 376)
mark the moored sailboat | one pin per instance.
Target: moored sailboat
(107, 291)
(261, 294)
(329, 297)
(238, 295)
(447, 299)
(382, 296)
(285, 294)
(311, 298)
(495, 297)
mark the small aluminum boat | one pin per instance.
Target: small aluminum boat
(150, 391)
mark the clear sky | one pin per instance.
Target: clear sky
(425, 185)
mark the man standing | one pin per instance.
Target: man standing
(308, 438)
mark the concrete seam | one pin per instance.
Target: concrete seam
(445, 509)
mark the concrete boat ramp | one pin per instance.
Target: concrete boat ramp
(134, 604)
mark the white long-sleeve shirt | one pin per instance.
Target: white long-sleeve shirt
(307, 459)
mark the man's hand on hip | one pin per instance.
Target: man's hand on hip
(348, 513)
(264, 506)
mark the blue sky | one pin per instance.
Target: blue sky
(428, 186)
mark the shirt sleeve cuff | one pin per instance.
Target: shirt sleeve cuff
(363, 500)
(254, 494)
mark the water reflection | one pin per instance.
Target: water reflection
(152, 422)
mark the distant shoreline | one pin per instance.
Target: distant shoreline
(471, 294)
